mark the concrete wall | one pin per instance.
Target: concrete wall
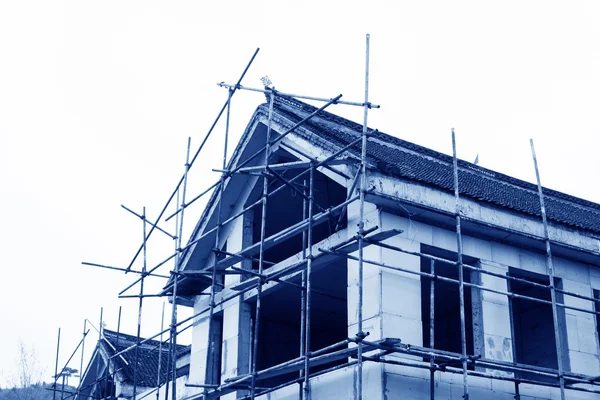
(339, 384)
(397, 310)
(392, 309)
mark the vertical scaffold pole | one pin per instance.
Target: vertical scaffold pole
(309, 256)
(303, 293)
(432, 331)
(82, 353)
(100, 334)
(119, 326)
(263, 232)
(107, 369)
(213, 375)
(160, 344)
(62, 390)
(141, 302)
(361, 224)
(118, 338)
(177, 262)
(56, 365)
(550, 267)
(461, 282)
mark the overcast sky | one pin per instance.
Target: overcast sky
(97, 100)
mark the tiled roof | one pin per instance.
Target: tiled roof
(148, 358)
(410, 161)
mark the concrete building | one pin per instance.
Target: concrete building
(416, 343)
(351, 258)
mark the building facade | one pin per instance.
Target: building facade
(274, 273)
(375, 267)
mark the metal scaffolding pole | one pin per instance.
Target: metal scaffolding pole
(263, 233)
(56, 365)
(100, 336)
(82, 354)
(461, 285)
(297, 96)
(141, 302)
(360, 335)
(117, 341)
(432, 329)
(177, 262)
(158, 372)
(123, 270)
(550, 268)
(213, 375)
(175, 266)
(106, 375)
(308, 295)
(301, 380)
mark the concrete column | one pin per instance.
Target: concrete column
(582, 337)
(492, 334)
(235, 353)
(198, 356)
(392, 299)
(401, 291)
(372, 318)
(371, 277)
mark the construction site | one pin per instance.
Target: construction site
(334, 261)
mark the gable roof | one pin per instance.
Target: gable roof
(410, 161)
(148, 358)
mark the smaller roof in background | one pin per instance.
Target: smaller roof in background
(148, 361)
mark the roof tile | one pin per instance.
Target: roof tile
(408, 160)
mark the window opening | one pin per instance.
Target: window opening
(447, 329)
(279, 329)
(533, 324)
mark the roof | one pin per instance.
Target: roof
(410, 161)
(148, 358)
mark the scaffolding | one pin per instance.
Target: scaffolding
(354, 351)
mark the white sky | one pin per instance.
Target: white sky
(97, 100)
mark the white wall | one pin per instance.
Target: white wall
(400, 311)
(391, 308)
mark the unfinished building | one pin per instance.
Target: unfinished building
(413, 287)
(334, 261)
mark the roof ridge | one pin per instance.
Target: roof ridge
(305, 107)
(126, 336)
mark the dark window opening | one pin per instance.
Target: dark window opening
(213, 363)
(533, 324)
(107, 389)
(447, 325)
(597, 309)
(285, 208)
(279, 328)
